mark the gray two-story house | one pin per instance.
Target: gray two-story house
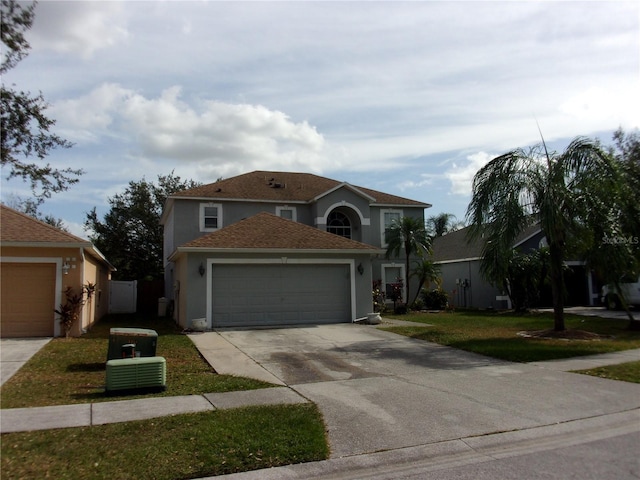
(278, 248)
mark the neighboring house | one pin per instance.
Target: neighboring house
(276, 248)
(38, 263)
(459, 263)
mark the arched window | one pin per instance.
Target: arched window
(339, 224)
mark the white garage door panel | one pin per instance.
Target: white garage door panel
(278, 294)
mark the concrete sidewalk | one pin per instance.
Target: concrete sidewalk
(590, 361)
(88, 414)
(228, 358)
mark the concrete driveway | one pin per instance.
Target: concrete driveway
(15, 352)
(380, 391)
(601, 312)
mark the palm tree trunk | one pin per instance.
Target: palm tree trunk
(407, 251)
(557, 286)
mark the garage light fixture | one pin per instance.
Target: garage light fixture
(360, 269)
(65, 268)
(201, 269)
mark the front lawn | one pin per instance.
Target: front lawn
(627, 372)
(176, 447)
(68, 371)
(495, 334)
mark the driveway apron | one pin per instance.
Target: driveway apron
(15, 352)
(380, 391)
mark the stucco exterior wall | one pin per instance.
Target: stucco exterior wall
(83, 268)
(478, 293)
(191, 302)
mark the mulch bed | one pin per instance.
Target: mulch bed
(563, 335)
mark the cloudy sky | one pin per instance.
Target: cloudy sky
(407, 98)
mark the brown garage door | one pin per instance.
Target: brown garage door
(27, 299)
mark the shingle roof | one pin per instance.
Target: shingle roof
(453, 246)
(282, 187)
(268, 231)
(20, 228)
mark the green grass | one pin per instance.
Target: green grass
(627, 372)
(177, 447)
(68, 371)
(496, 334)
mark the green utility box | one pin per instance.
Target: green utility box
(131, 342)
(135, 374)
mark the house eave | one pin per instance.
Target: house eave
(277, 251)
(458, 260)
(82, 246)
(47, 244)
(348, 186)
(401, 205)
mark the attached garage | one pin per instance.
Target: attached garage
(28, 296)
(280, 294)
(269, 271)
(38, 264)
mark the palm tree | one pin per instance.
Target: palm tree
(567, 193)
(443, 223)
(426, 271)
(409, 236)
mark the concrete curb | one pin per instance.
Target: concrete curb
(410, 461)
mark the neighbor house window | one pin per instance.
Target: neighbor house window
(286, 212)
(210, 217)
(339, 224)
(388, 217)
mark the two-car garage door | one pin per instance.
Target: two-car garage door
(280, 294)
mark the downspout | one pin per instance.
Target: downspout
(82, 283)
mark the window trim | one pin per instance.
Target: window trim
(383, 227)
(203, 206)
(386, 281)
(294, 212)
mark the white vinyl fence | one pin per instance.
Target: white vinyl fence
(123, 296)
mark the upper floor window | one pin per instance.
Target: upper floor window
(210, 217)
(286, 212)
(339, 224)
(389, 217)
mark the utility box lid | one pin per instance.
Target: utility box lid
(145, 341)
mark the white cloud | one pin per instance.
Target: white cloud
(461, 176)
(78, 27)
(216, 136)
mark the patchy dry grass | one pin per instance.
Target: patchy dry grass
(627, 372)
(176, 447)
(496, 334)
(68, 371)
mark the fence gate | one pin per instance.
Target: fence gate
(123, 296)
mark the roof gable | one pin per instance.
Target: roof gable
(288, 187)
(20, 228)
(454, 246)
(268, 231)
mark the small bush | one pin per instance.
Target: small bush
(436, 299)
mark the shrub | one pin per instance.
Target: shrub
(436, 299)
